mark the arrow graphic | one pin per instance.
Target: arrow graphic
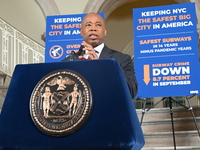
(146, 74)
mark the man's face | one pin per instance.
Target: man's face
(93, 29)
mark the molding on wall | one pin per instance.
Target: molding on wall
(48, 7)
(104, 6)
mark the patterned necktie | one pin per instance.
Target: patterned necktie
(97, 52)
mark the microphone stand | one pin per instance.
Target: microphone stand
(76, 53)
(144, 110)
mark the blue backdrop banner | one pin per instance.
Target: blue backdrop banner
(166, 50)
(63, 36)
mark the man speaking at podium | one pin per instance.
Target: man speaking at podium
(93, 32)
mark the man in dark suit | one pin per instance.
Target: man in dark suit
(93, 32)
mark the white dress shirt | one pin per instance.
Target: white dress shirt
(97, 49)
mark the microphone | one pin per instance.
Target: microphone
(76, 53)
(80, 50)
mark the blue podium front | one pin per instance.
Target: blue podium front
(112, 124)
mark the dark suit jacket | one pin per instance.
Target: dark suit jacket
(124, 61)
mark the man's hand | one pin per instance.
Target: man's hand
(91, 55)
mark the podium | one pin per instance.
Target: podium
(113, 123)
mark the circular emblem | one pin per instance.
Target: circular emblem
(61, 103)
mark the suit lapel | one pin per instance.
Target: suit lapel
(106, 53)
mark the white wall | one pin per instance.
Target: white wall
(27, 17)
(71, 6)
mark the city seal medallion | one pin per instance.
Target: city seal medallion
(61, 103)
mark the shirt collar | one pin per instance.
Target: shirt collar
(99, 48)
